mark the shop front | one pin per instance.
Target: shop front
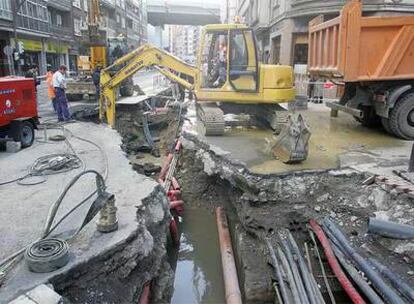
(31, 55)
(56, 54)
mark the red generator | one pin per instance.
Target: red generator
(18, 110)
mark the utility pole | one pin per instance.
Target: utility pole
(227, 11)
(16, 5)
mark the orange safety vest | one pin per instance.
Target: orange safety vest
(50, 89)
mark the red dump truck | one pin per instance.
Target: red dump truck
(373, 58)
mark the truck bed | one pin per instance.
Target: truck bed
(354, 48)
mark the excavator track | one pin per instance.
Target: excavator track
(212, 118)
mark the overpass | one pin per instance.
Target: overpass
(161, 12)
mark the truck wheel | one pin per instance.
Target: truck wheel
(386, 125)
(402, 117)
(27, 134)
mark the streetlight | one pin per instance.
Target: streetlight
(16, 5)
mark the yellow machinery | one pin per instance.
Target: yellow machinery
(228, 73)
(97, 38)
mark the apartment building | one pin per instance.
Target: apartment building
(184, 41)
(55, 32)
(281, 26)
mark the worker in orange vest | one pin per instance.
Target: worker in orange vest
(50, 89)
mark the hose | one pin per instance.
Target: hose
(356, 277)
(278, 273)
(396, 281)
(389, 294)
(325, 278)
(289, 275)
(333, 263)
(299, 283)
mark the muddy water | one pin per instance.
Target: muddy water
(198, 277)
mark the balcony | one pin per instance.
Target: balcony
(62, 5)
(5, 10)
(32, 24)
(61, 32)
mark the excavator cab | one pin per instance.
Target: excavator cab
(228, 60)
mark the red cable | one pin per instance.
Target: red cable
(333, 263)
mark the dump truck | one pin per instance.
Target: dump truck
(372, 58)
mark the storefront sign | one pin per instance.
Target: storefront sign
(61, 48)
(31, 45)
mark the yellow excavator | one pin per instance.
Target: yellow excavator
(228, 78)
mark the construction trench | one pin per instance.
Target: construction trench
(269, 215)
(174, 252)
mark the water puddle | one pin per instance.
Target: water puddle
(198, 277)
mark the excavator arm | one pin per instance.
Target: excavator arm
(145, 56)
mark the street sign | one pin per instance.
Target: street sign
(8, 50)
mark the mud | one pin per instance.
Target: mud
(263, 205)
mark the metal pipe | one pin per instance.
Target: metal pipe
(389, 294)
(390, 229)
(289, 275)
(325, 278)
(357, 278)
(333, 263)
(296, 275)
(396, 281)
(278, 272)
(231, 281)
(312, 289)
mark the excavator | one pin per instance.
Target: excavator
(228, 78)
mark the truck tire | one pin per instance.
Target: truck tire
(386, 125)
(402, 117)
(27, 134)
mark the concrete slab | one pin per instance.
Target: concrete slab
(333, 142)
(24, 208)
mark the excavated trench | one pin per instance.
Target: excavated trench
(258, 207)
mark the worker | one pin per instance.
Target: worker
(96, 77)
(59, 84)
(50, 89)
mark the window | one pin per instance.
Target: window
(85, 5)
(5, 9)
(243, 74)
(59, 20)
(123, 22)
(77, 27)
(118, 18)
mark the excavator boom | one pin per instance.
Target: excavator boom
(145, 56)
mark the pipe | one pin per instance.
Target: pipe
(395, 280)
(371, 295)
(145, 295)
(296, 275)
(175, 184)
(174, 195)
(315, 296)
(297, 298)
(278, 272)
(165, 166)
(389, 294)
(177, 206)
(390, 229)
(231, 281)
(333, 263)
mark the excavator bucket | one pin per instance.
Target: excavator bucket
(292, 143)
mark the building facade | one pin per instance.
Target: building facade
(184, 41)
(51, 33)
(281, 26)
